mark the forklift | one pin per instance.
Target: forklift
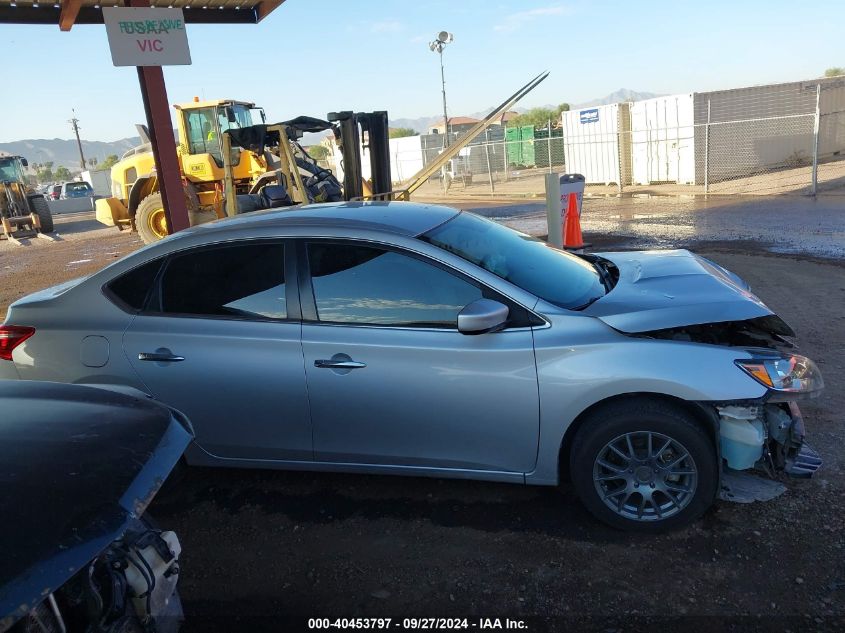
(23, 212)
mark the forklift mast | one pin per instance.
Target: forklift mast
(348, 130)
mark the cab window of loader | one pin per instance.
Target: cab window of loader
(202, 132)
(9, 171)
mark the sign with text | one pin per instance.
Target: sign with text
(147, 36)
(589, 116)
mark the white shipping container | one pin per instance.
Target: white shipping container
(406, 157)
(591, 143)
(663, 140)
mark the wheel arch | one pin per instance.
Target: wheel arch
(141, 188)
(703, 415)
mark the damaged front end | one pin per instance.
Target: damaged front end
(685, 298)
(763, 438)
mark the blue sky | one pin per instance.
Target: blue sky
(312, 57)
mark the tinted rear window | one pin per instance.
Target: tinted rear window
(131, 289)
(78, 186)
(247, 280)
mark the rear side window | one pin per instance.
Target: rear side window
(131, 289)
(246, 281)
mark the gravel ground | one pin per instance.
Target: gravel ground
(260, 545)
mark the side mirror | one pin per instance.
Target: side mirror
(230, 114)
(24, 162)
(482, 315)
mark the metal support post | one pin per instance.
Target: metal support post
(815, 180)
(487, 153)
(229, 193)
(707, 151)
(168, 170)
(549, 143)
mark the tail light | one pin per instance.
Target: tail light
(11, 336)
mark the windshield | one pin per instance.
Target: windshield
(243, 117)
(10, 171)
(551, 274)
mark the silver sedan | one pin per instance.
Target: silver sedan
(411, 339)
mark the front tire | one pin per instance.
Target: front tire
(39, 207)
(150, 219)
(644, 466)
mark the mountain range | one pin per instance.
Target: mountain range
(65, 152)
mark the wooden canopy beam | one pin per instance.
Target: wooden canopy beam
(266, 8)
(67, 17)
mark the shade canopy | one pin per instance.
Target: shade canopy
(66, 13)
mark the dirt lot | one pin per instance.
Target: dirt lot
(261, 545)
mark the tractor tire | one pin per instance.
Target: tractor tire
(39, 206)
(150, 219)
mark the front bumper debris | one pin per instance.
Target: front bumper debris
(762, 440)
(804, 464)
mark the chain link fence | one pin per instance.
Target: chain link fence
(797, 153)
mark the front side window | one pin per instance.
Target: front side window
(243, 281)
(365, 285)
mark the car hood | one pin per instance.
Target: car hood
(667, 289)
(77, 465)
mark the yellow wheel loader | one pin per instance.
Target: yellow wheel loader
(136, 201)
(23, 212)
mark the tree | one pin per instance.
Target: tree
(539, 117)
(835, 71)
(62, 173)
(109, 162)
(399, 132)
(318, 152)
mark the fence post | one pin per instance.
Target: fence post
(487, 153)
(445, 168)
(549, 143)
(707, 151)
(815, 179)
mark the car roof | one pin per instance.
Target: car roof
(401, 218)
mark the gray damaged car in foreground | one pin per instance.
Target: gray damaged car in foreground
(413, 339)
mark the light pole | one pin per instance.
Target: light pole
(443, 38)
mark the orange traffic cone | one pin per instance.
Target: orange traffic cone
(572, 239)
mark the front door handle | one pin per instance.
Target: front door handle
(339, 364)
(160, 357)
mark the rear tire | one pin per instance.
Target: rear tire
(150, 219)
(644, 466)
(39, 206)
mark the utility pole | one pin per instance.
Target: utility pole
(75, 124)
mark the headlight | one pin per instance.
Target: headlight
(788, 374)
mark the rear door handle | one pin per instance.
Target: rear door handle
(160, 357)
(339, 364)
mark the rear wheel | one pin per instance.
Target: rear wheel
(39, 206)
(150, 219)
(645, 466)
